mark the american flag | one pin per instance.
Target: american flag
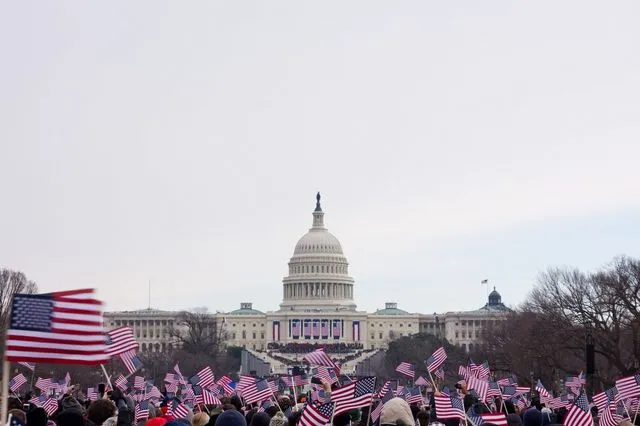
(601, 400)
(541, 390)
(176, 368)
(59, 328)
(375, 413)
(316, 328)
(439, 373)
(17, 382)
(316, 415)
(295, 328)
(480, 386)
(575, 383)
(178, 410)
(30, 365)
(205, 377)
(187, 393)
(448, 407)
(579, 414)
(226, 384)
(138, 382)
(142, 410)
(120, 340)
(406, 369)
(421, 381)
(354, 395)
(324, 328)
(506, 381)
(122, 383)
(612, 394)
(336, 328)
(413, 396)
(389, 385)
(320, 396)
(474, 418)
(50, 406)
(264, 406)
(494, 390)
(307, 328)
(131, 361)
(628, 387)
(152, 392)
(463, 372)
(44, 384)
(319, 357)
(204, 396)
(482, 371)
(498, 419)
(325, 373)
(171, 378)
(257, 392)
(92, 394)
(245, 382)
(436, 360)
(608, 417)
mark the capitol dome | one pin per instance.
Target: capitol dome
(318, 277)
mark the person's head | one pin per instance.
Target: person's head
(70, 418)
(156, 421)
(341, 420)
(19, 414)
(423, 418)
(272, 410)
(14, 403)
(36, 416)
(69, 403)
(532, 417)
(100, 410)
(295, 417)
(510, 407)
(279, 420)
(513, 420)
(200, 419)
(231, 418)
(229, 407)
(396, 412)
(260, 419)
(235, 400)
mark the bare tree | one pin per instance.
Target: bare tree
(416, 348)
(548, 333)
(11, 283)
(196, 332)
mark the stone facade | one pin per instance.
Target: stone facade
(318, 307)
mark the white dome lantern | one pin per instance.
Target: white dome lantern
(318, 277)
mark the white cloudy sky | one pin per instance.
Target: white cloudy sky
(183, 143)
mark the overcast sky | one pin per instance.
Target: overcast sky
(184, 142)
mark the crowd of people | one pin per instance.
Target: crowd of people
(116, 408)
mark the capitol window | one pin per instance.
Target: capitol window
(373, 336)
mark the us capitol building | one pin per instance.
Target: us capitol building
(317, 306)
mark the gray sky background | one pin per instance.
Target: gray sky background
(183, 142)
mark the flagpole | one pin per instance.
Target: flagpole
(134, 372)
(371, 402)
(432, 381)
(104, 370)
(4, 407)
